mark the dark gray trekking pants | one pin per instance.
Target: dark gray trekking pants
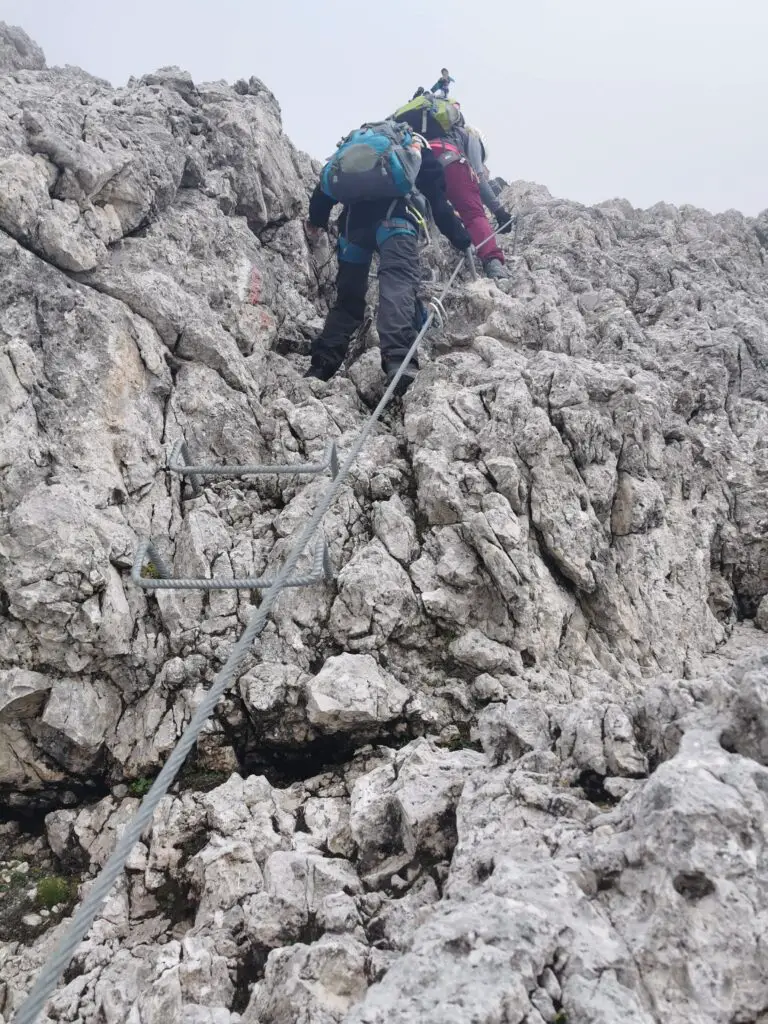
(398, 319)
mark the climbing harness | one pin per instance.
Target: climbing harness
(51, 972)
(421, 221)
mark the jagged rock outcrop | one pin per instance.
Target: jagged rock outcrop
(17, 51)
(508, 766)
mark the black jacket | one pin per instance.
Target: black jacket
(430, 182)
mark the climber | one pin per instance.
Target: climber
(461, 151)
(462, 154)
(443, 84)
(373, 174)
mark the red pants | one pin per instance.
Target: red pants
(464, 193)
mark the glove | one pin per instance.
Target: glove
(502, 217)
(464, 242)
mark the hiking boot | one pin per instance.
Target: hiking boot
(321, 371)
(495, 269)
(391, 366)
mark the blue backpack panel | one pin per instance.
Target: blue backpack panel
(377, 161)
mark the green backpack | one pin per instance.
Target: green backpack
(430, 116)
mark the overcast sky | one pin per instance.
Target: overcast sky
(645, 99)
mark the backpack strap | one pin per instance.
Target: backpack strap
(445, 144)
(447, 152)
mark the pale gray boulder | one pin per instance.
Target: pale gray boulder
(351, 692)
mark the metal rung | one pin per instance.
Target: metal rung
(322, 571)
(180, 462)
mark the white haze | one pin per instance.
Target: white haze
(650, 100)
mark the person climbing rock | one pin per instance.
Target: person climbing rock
(443, 84)
(373, 173)
(462, 153)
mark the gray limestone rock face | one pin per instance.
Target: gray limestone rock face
(76, 721)
(22, 694)
(509, 764)
(375, 600)
(320, 983)
(405, 809)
